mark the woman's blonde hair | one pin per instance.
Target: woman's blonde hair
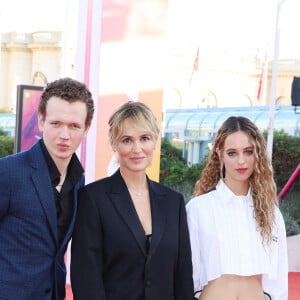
(263, 187)
(137, 112)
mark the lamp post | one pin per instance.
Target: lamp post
(274, 82)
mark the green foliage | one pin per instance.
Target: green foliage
(2, 132)
(285, 157)
(5, 110)
(6, 143)
(290, 208)
(291, 226)
(174, 171)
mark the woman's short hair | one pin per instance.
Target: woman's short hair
(137, 112)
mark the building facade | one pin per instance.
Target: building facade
(30, 59)
(39, 57)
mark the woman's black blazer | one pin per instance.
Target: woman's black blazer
(108, 256)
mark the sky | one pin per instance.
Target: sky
(239, 27)
(32, 15)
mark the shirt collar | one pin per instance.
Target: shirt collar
(75, 169)
(53, 171)
(228, 196)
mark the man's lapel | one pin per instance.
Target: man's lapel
(42, 183)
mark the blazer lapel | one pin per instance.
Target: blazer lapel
(123, 204)
(158, 211)
(43, 187)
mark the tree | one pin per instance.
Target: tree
(6, 143)
(285, 158)
(174, 171)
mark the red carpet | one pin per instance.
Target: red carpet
(69, 295)
(294, 287)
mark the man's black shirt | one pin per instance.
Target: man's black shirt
(64, 200)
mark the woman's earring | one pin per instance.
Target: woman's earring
(221, 164)
(221, 170)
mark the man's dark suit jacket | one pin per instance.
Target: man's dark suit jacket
(31, 261)
(108, 256)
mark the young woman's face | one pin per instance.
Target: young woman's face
(238, 158)
(135, 147)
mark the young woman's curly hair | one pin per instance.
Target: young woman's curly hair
(263, 188)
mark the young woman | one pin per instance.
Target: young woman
(237, 232)
(131, 238)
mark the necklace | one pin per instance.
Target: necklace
(140, 192)
(137, 193)
(142, 188)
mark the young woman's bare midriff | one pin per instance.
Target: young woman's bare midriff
(233, 287)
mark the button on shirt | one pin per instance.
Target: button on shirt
(225, 240)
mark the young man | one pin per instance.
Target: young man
(38, 196)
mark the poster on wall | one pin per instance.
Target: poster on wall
(27, 132)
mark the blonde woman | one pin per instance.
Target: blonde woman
(237, 232)
(131, 239)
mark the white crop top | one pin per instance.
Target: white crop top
(225, 240)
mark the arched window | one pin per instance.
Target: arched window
(39, 79)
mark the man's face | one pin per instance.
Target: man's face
(63, 127)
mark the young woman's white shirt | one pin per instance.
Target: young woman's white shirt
(225, 240)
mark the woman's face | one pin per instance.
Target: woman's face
(135, 147)
(238, 158)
